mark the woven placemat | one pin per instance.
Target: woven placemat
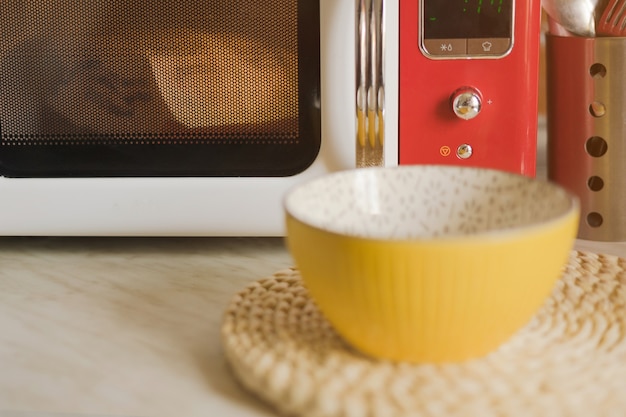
(570, 360)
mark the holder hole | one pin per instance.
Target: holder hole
(594, 219)
(597, 109)
(595, 183)
(596, 146)
(597, 70)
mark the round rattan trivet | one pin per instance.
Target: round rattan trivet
(570, 360)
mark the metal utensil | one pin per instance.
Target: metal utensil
(612, 22)
(576, 16)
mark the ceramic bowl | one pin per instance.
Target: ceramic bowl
(429, 263)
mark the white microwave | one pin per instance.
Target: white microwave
(194, 117)
(174, 118)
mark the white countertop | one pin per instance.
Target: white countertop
(124, 327)
(128, 327)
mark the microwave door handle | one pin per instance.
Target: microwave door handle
(362, 65)
(375, 68)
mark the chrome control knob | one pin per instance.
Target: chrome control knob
(466, 103)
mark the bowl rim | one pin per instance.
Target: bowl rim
(573, 208)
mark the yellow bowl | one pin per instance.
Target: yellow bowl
(429, 263)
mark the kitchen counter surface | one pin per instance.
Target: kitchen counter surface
(123, 327)
(129, 326)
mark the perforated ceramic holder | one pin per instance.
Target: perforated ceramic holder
(586, 130)
(570, 360)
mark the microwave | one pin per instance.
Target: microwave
(194, 117)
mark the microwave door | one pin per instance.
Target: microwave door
(180, 179)
(159, 88)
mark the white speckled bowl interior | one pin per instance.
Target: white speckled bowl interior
(424, 201)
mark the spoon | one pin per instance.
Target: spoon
(576, 16)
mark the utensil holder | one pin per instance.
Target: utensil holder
(586, 95)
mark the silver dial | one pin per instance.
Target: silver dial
(466, 103)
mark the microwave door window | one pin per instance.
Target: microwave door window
(159, 88)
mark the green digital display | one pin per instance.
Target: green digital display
(466, 19)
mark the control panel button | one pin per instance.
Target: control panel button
(488, 46)
(445, 47)
(466, 103)
(464, 151)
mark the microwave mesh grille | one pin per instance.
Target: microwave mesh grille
(148, 71)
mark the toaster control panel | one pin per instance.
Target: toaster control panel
(461, 61)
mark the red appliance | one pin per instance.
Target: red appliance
(469, 83)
